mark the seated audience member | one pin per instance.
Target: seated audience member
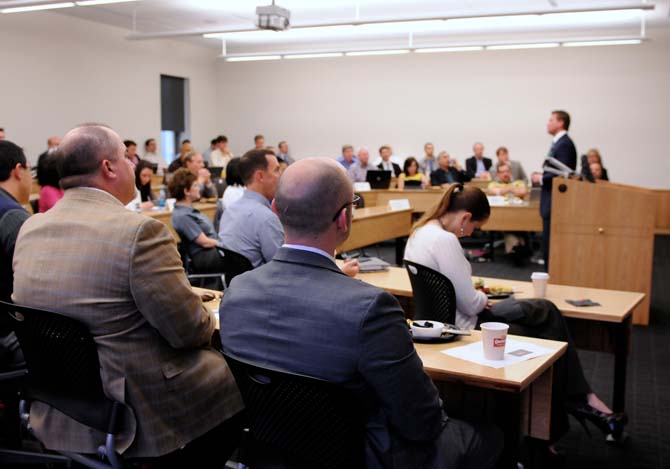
(370, 350)
(593, 156)
(143, 173)
(186, 149)
(283, 153)
(597, 171)
(2, 133)
(234, 185)
(429, 162)
(477, 166)
(221, 155)
(259, 142)
(358, 171)
(49, 180)
(518, 174)
(210, 149)
(124, 280)
(249, 227)
(195, 229)
(434, 243)
(52, 146)
(194, 163)
(131, 152)
(347, 158)
(504, 185)
(151, 155)
(15, 185)
(411, 172)
(385, 153)
(449, 171)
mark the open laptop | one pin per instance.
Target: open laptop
(378, 179)
(413, 185)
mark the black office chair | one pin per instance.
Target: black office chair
(434, 294)
(64, 372)
(198, 277)
(298, 421)
(234, 264)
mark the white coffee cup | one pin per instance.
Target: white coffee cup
(169, 204)
(540, 280)
(494, 337)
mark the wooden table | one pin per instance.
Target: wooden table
(521, 392)
(208, 209)
(376, 224)
(605, 328)
(524, 217)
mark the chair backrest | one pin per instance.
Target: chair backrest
(307, 421)
(234, 264)
(63, 366)
(434, 294)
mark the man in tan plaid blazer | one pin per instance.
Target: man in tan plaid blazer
(120, 274)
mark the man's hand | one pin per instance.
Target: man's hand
(351, 267)
(204, 176)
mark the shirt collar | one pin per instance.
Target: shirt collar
(559, 135)
(8, 195)
(253, 195)
(301, 247)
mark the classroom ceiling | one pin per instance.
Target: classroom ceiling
(188, 19)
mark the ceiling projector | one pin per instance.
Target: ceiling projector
(273, 17)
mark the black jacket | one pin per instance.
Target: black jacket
(564, 151)
(471, 165)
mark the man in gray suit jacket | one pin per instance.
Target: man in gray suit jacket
(119, 273)
(301, 314)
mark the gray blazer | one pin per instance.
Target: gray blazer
(300, 313)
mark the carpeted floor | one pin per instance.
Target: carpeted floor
(648, 377)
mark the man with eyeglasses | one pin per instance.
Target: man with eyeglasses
(320, 323)
(15, 184)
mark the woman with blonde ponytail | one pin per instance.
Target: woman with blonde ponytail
(434, 243)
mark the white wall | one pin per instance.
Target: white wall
(618, 97)
(58, 71)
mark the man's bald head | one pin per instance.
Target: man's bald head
(309, 193)
(82, 151)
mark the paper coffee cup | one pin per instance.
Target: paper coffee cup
(540, 280)
(494, 337)
(169, 204)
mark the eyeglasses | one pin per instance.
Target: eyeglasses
(353, 202)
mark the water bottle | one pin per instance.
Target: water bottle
(162, 195)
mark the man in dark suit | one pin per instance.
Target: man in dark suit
(344, 331)
(563, 149)
(478, 166)
(386, 164)
(448, 171)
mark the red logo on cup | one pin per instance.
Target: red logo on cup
(499, 342)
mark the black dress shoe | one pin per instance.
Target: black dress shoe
(612, 425)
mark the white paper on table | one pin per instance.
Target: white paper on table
(515, 352)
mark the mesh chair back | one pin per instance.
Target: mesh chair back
(310, 422)
(63, 366)
(434, 294)
(234, 264)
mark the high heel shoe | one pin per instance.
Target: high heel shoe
(612, 425)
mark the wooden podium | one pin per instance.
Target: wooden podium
(602, 236)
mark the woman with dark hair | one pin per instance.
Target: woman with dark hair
(234, 184)
(434, 243)
(411, 172)
(195, 229)
(143, 172)
(49, 180)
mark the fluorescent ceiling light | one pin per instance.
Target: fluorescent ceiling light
(376, 52)
(46, 6)
(449, 49)
(314, 56)
(88, 3)
(621, 42)
(253, 58)
(543, 45)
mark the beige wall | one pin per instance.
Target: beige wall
(619, 99)
(59, 71)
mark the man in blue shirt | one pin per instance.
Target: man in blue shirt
(347, 158)
(249, 226)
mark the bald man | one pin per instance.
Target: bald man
(119, 273)
(358, 171)
(344, 331)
